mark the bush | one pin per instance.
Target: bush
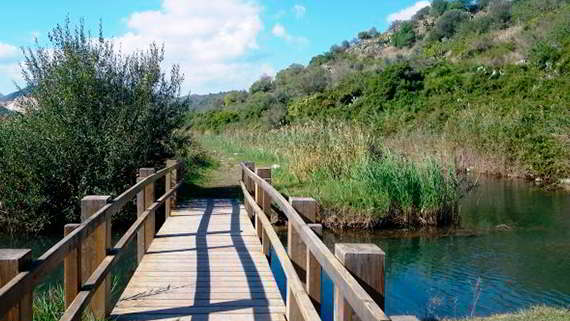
(264, 84)
(544, 55)
(363, 35)
(93, 118)
(448, 24)
(405, 36)
(439, 7)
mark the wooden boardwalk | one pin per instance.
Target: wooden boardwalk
(205, 263)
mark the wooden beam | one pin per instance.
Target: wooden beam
(308, 209)
(141, 208)
(262, 199)
(150, 226)
(170, 180)
(93, 251)
(358, 298)
(72, 269)
(302, 307)
(366, 263)
(12, 262)
(313, 278)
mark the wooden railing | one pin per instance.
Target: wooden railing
(86, 251)
(306, 255)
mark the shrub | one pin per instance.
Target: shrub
(363, 35)
(439, 7)
(448, 24)
(264, 84)
(405, 36)
(544, 55)
(93, 118)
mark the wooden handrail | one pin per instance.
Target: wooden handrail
(300, 295)
(360, 301)
(24, 282)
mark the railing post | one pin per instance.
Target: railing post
(12, 262)
(170, 180)
(263, 200)
(246, 179)
(313, 277)
(72, 269)
(143, 235)
(366, 263)
(308, 208)
(93, 252)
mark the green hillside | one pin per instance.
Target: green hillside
(480, 87)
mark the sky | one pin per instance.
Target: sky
(219, 44)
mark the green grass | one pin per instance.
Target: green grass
(538, 313)
(358, 181)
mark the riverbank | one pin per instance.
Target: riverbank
(358, 180)
(537, 313)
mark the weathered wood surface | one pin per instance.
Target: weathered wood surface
(205, 263)
(356, 296)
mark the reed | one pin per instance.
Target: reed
(358, 180)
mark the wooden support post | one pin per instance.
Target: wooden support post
(247, 181)
(171, 180)
(12, 262)
(308, 208)
(313, 276)
(262, 199)
(293, 311)
(72, 269)
(93, 252)
(366, 263)
(141, 207)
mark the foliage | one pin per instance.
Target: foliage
(405, 36)
(264, 84)
(536, 313)
(439, 7)
(93, 118)
(346, 168)
(448, 24)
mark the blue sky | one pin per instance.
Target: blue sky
(219, 44)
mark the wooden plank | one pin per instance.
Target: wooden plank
(12, 262)
(93, 252)
(211, 317)
(357, 297)
(299, 305)
(72, 270)
(366, 262)
(199, 265)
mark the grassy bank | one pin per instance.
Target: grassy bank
(358, 180)
(538, 313)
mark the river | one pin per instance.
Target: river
(512, 251)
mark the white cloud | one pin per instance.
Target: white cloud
(8, 51)
(280, 32)
(299, 11)
(208, 39)
(409, 12)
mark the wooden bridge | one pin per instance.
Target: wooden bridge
(209, 260)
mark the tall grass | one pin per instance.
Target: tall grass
(359, 181)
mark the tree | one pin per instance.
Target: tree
(405, 36)
(94, 116)
(439, 7)
(448, 24)
(264, 84)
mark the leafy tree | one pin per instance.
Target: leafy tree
(93, 118)
(448, 24)
(405, 36)
(264, 84)
(439, 7)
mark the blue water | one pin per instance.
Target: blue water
(511, 252)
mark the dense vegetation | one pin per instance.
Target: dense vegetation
(480, 86)
(93, 116)
(359, 182)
